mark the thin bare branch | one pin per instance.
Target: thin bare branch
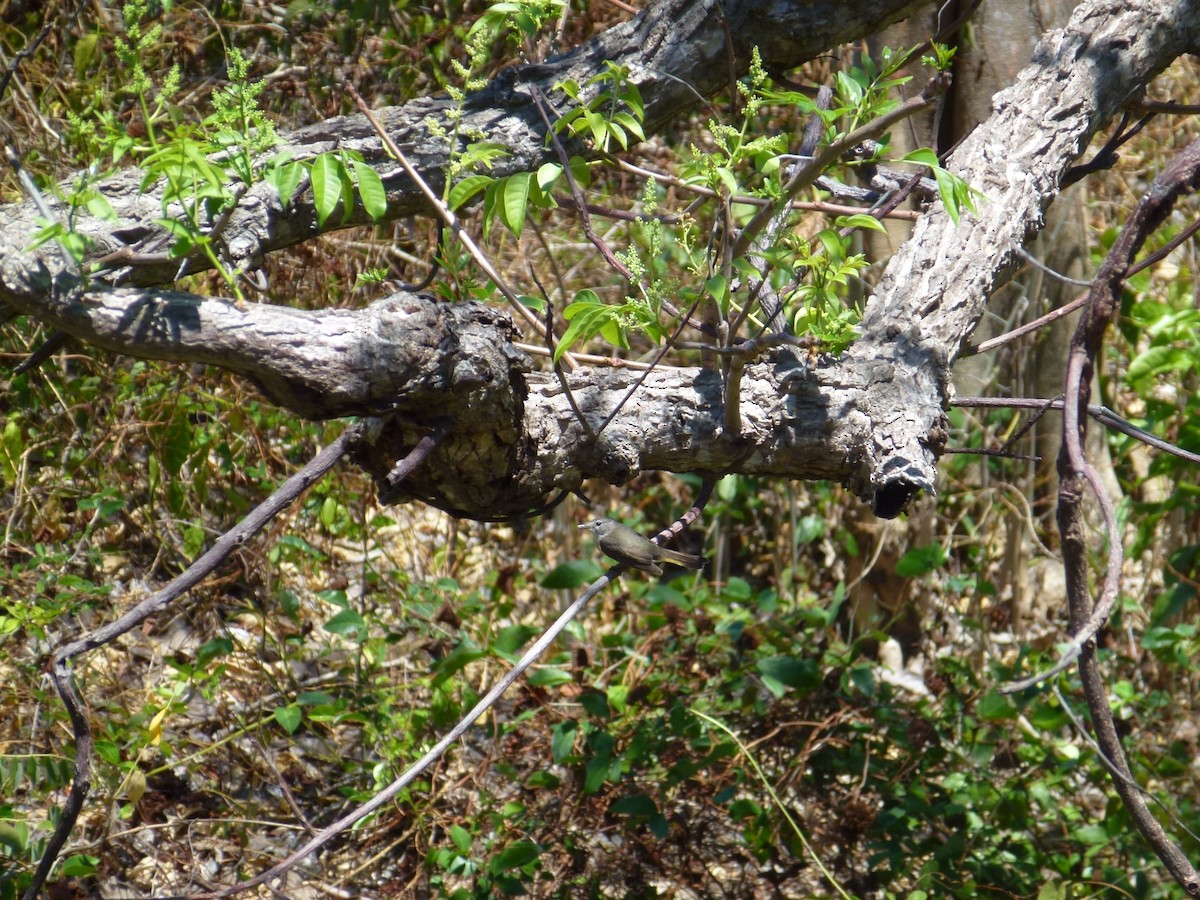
(805, 175)
(452, 221)
(60, 669)
(1101, 414)
(548, 637)
(1075, 472)
(1053, 316)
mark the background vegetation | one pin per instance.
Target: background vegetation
(743, 732)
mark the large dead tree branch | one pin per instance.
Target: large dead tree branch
(936, 287)
(872, 418)
(677, 51)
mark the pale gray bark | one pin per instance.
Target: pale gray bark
(678, 52)
(872, 418)
(936, 287)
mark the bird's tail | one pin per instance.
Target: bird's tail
(686, 560)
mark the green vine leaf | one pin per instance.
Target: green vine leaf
(514, 200)
(462, 192)
(371, 190)
(589, 316)
(326, 185)
(285, 176)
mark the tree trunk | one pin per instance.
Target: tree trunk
(872, 417)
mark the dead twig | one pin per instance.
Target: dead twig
(416, 456)
(452, 221)
(1101, 414)
(1076, 474)
(806, 174)
(60, 669)
(485, 703)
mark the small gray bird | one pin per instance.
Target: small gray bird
(629, 548)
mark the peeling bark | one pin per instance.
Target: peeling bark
(678, 52)
(872, 418)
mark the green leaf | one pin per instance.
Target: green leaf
(618, 133)
(515, 855)
(512, 638)
(728, 486)
(293, 542)
(581, 171)
(314, 698)
(585, 298)
(599, 127)
(859, 220)
(347, 623)
(14, 836)
(562, 740)
(213, 649)
(1091, 834)
(1053, 890)
(549, 676)
(571, 574)
(589, 317)
(109, 752)
(809, 528)
(463, 654)
(326, 176)
(12, 443)
(193, 541)
(285, 177)
(514, 201)
(835, 246)
(630, 124)
(728, 179)
(718, 288)
(745, 808)
(923, 156)
(466, 189)
(461, 838)
(617, 696)
(632, 97)
(787, 671)
(994, 706)
(849, 89)
(85, 52)
(98, 206)
(371, 190)
(1155, 361)
(921, 561)
(548, 175)
(289, 717)
(947, 193)
(347, 185)
(80, 866)
(736, 589)
(542, 778)
(637, 805)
